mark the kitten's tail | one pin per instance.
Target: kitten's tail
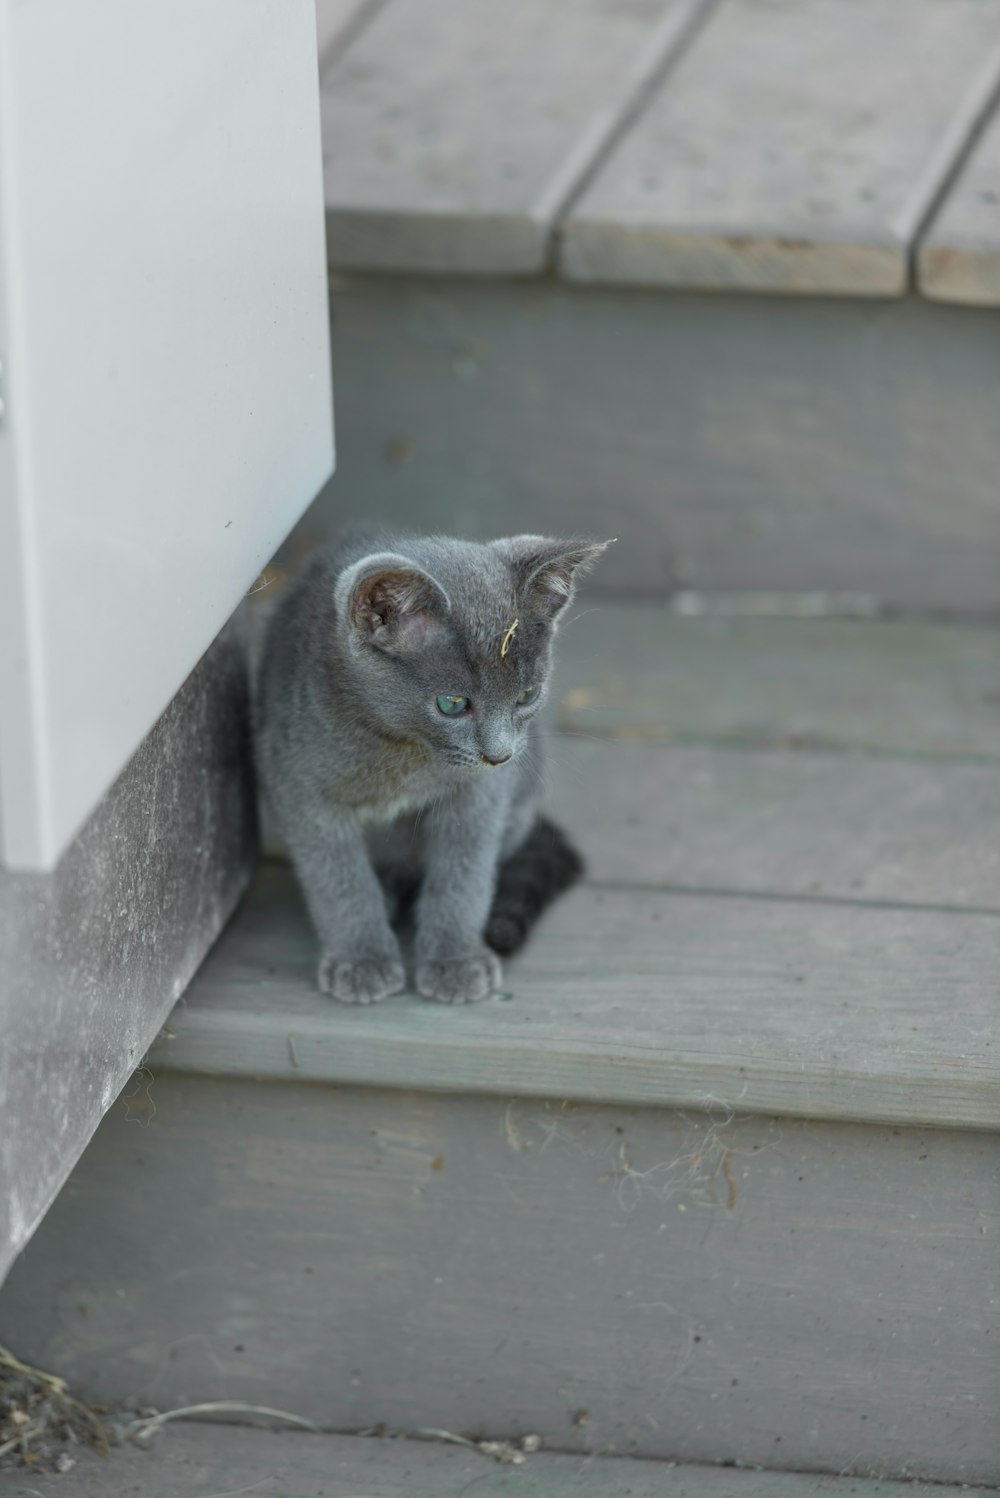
(543, 867)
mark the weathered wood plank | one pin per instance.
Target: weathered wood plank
(798, 1007)
(694, 1287)
(772, 688)
(454, 131)
(959, 257)
(781, 823)
(189, 1459)
(728, 442)
(795, 148)
(881, 687)
(698, 817)
(753, 805)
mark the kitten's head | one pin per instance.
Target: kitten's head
(450, 641)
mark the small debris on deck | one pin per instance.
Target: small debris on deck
(42, 1426)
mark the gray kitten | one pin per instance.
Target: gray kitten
(398, 748)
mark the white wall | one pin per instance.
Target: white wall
(163, 327)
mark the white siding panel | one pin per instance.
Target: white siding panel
(164, 326)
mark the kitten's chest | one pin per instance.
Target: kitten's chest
(384, 785)
(381, 813)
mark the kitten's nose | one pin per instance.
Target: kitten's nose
(501, 761)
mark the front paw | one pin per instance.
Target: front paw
(366, 980)
(459, 980)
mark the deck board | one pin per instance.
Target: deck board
(795, 148)
(959, 258)
(675, 1285)
(196, 1458)
(879, 687)
(780, 822)
(768, 1006)
(794, 896)
(854, 760)
(742, 442)
(454, 131)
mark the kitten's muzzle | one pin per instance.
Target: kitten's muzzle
(487, 760)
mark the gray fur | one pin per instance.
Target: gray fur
(370, 785)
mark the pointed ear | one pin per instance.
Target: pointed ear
(545, 570)
(389, 602)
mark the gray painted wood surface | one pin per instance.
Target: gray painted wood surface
(817, 1009)
(94, 956)
(900, 688)
(959, 257)
(793, 900)
(811, 825)
(717, 760)
(454, 132)
(796, 148)
(740, 442)
(190, 1460)
(690, 1286)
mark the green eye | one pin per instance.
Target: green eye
(526, 697)
(452, 706)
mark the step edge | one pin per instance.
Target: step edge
(581, 1069)
(187, 1438)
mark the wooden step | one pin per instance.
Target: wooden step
(419, 177)
(796, 148)
(649, 144)
(192, 1460)
(809, 1008)
(959, 259)
(730, 443)
(713, 1181)
(692, 1285)
(840, 439)
(792, 903)
(903, 690)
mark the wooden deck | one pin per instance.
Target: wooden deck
(561, 189)
(192, 1460)
(714, 1179)
(755, 145)
(959, 259)
(717, 1169)
(793, 902)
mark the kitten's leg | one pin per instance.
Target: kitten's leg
(395, 850)
(360, 960)
(463, 837)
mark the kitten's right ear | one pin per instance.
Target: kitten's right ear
(390, 602)
(545, 569)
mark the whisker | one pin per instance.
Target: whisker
(596, 738)
(582, 615)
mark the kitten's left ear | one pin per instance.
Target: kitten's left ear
(545, 570)
(390, 602)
